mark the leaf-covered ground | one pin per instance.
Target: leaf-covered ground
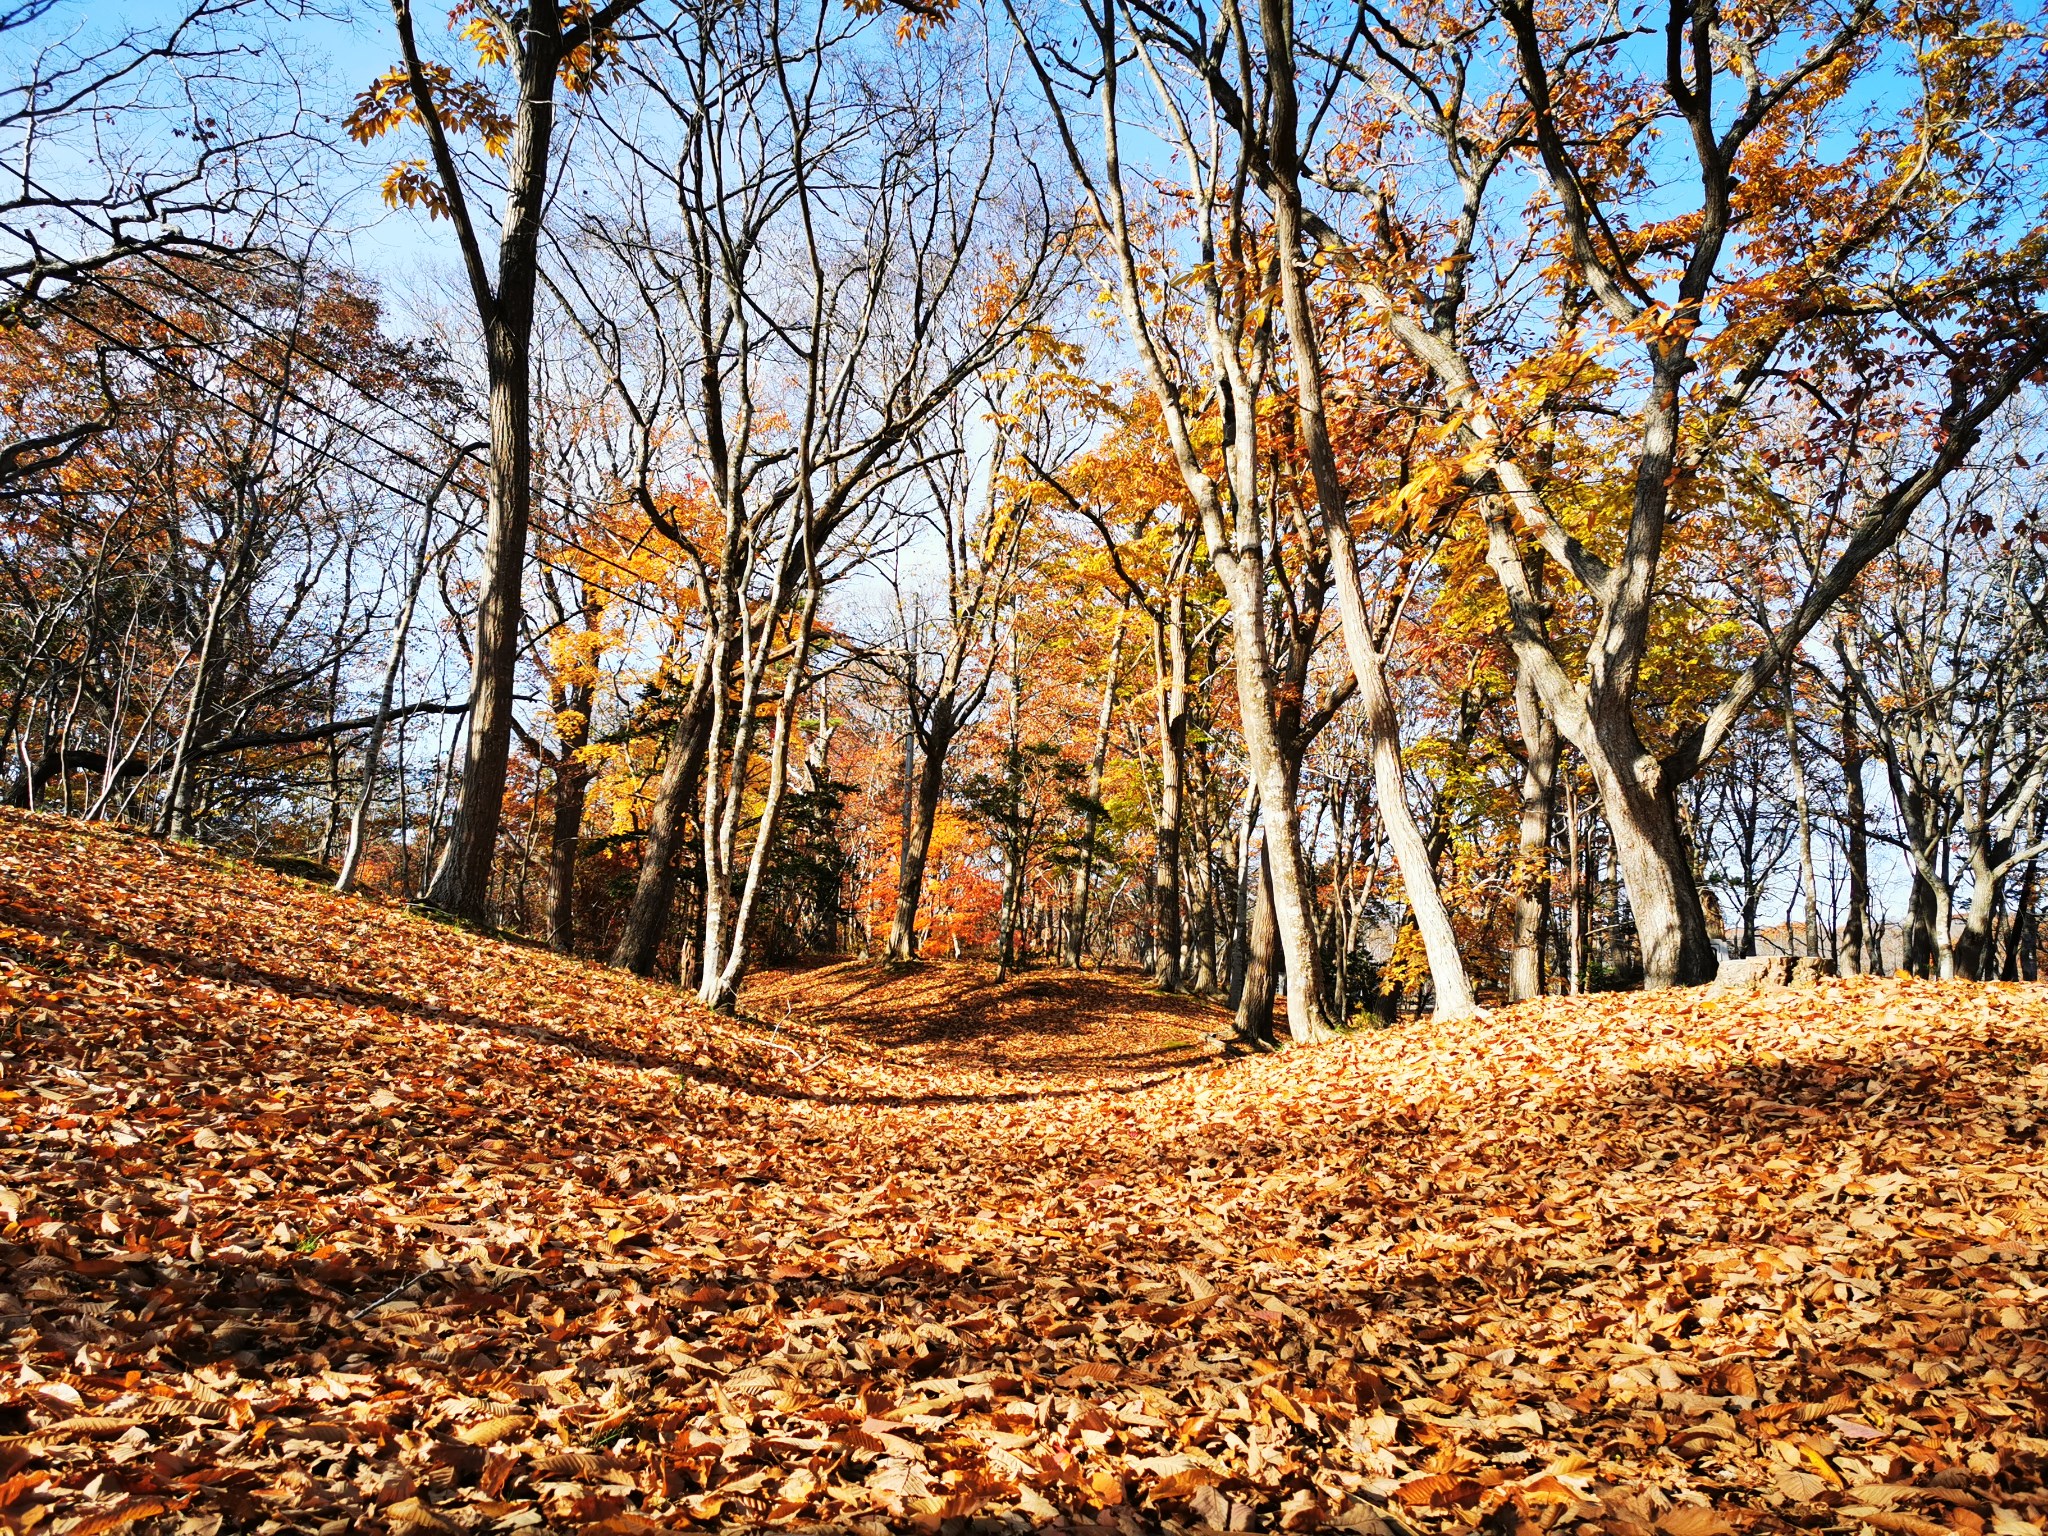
(321, 1217)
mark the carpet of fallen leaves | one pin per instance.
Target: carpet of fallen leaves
(320, 1216)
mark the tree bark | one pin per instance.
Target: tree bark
(1809, 882)
(1084, 871)
(462, 880)
(1650, 851)
(565, 830)
(1367, 652)
(1532, 863)
(924, 816)
(1859, 942)
(647, 913)
(1261, 979)
(1170, 669)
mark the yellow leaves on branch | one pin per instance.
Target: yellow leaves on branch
(467, 106)
(463, 106)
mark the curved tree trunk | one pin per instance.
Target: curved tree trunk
(1368, 658)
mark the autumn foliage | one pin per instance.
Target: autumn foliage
(322, 1214)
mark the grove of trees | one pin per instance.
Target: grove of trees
(1390, 507)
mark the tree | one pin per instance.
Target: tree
(815, 299)
(546, 48)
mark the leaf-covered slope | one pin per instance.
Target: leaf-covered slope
(324, 1216)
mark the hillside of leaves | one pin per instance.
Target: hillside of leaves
(323, 1217)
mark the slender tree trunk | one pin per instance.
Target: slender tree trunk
(1284, 857)
(1809, 881)
(722, 994)
(394, 663)
(176, 816)
(1368, 659)
(647, 914)
(1532, 882)
(1170, 669)
(1575, 857)
(462, 880)
(1084, 872)
(1859, 943)
(572, 785)
(2021, 938)
(924, 817)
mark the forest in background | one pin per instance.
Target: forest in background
(1437, 504)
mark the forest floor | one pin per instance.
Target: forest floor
(320, 1216)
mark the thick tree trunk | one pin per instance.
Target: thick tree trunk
(1920, 917)
(1974, 950)
(647, 913)
(1532, 862)
(1650, 852)
(924, 817)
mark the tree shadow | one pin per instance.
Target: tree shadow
(1036, 1024)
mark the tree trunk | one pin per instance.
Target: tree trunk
(1084, 871)
(647, 913)
(721, 993)
(2022, 938)
(176, 817)
(1261, 967)
(1284, 856)
(1859, 942)
(924, 817)
(1170, 666)
(1368, 659)
(572, 785)
(1532, 871)
(462, 880)
(1803, 812)
(1650, 852)
(1973, 946)
(1920, 926)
